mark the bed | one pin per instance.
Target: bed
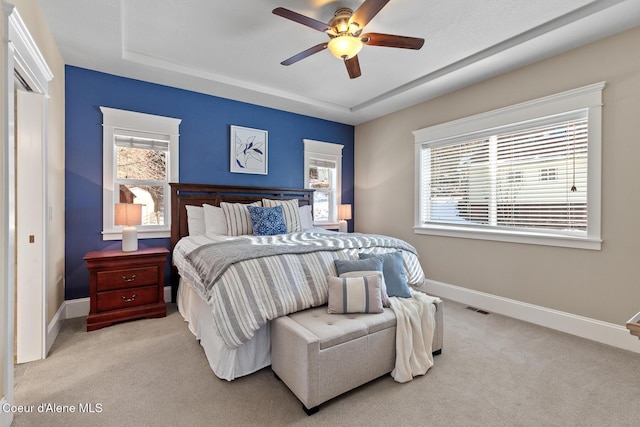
(231, 318)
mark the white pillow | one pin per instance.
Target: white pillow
(215, 223)
(195, 220)
(354, 294)
(289, 210)
(238, 219)
(306, 217)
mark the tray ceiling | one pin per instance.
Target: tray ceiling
(233, 49)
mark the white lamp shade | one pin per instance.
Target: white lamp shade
(128, 214)
(344, 212)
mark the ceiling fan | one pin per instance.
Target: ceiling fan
(345, 33)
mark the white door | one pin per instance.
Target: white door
(30, 226)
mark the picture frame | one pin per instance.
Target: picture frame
(249, 150)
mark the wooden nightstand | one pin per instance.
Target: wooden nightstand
(125, 285)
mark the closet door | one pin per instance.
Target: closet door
(30, 226)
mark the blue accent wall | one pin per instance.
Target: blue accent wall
(204, 151)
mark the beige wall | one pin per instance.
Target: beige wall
(602, 284)
(34, 20)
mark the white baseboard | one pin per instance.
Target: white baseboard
(80, 307)
(6, 418)
(595, 330)
(77, 308)
(54, 326)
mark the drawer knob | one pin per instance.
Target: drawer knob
(125, 299)
(128, 279)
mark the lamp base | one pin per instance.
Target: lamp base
(129, 239)
(343, 227)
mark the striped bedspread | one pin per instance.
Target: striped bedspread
(250, 280)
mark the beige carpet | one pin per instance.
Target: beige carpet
(493, 371)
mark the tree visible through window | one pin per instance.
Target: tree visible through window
(141, 174)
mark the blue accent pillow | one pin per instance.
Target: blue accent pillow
(394, 275)
(360, 265)
(267, 221)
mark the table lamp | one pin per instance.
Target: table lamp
(129, 215)
(344, 213)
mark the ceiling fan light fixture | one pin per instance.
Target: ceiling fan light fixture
(345, 46)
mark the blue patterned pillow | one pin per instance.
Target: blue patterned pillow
(267, 221)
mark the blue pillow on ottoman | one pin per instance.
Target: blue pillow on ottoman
(394, 275)
(267, 221)
(363, 267)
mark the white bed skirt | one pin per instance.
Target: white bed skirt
(225, 362)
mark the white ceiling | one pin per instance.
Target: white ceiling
(233, 49)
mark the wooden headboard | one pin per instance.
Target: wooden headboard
(183, 195)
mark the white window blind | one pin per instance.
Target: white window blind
(526, 173)
(528, 177)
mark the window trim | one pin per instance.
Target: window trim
(586, 97)
(325, 151)
(113, 119)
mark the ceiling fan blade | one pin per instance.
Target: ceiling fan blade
(367, 11)
(390, 40)
(353, 67)
(295, 58)
(300, 19)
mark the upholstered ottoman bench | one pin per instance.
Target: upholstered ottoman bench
(320, 356)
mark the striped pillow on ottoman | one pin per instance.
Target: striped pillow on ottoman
(354, 294)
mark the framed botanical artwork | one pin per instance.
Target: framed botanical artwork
(249, 148)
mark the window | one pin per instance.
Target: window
(323, 173)
(529, 173)
(140, 158)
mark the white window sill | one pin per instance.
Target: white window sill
(512, 237)
(142, 234)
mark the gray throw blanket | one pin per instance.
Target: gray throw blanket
(213, 259)
(251, 280)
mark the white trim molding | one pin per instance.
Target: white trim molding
(53, 329)
(584, 327)
(18, 52)
(28, 60)
(586, 100)
(331, 152)
(114, 121)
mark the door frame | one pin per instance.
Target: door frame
(18, 52)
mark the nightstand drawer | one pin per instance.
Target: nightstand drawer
(126, 278)
(125, 285)
(126, 298)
